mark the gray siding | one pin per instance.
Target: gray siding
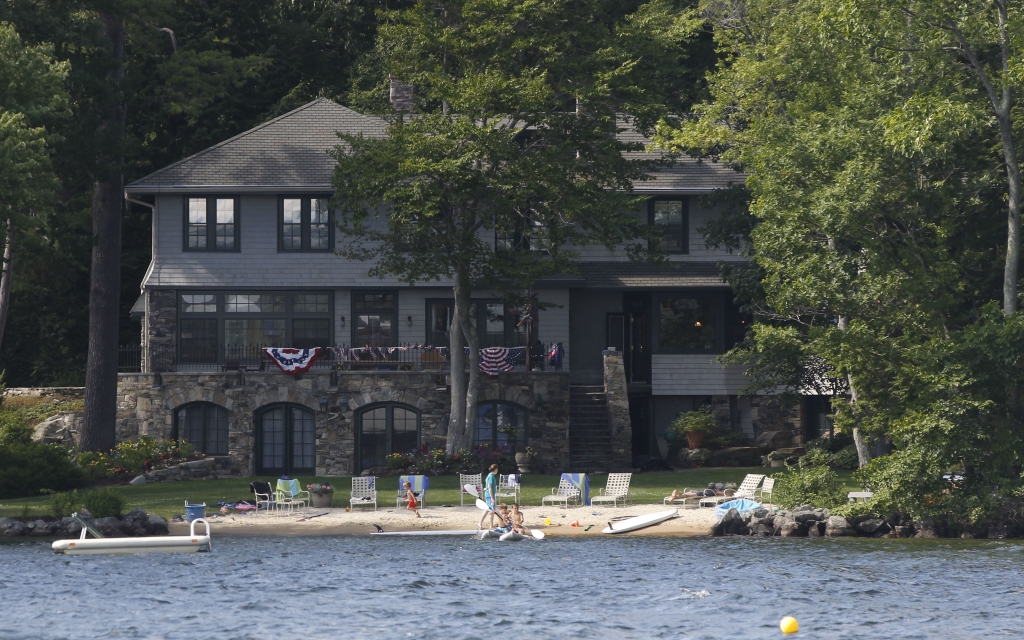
(588, 313)
(694, 375)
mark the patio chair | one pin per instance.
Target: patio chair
(615, 489)
(565, 492)
(264, 495)
(767, 488)
(288, 494)
(419, 489)
(363, 492)
(508, 488)
(745, 490)
(475, 480)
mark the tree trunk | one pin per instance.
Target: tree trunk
(457, 422)
(473, 388)
(99, 417)
(5, 279)
(863, 455)
(1013, 180)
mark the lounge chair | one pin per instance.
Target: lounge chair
(617, 488)
(363, 492)
(565, 493)
(685, 501)
(419, 489)
(508, 488)
(264, 495)
(475, 480)
(767, 487)
(745, 490)
(288, 494)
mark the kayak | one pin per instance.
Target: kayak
(490, 533)
(640, 522)
(512, 536)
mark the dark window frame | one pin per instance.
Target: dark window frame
(510, 321)
(305, 223)
(721, 311)
(685, 231)
(288, 441)
(374, 311)
(205, 407)
(493, 445)
(211, 223)
(388, 428)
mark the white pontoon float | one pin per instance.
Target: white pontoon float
(162, 544)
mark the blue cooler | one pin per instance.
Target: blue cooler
(194, 511)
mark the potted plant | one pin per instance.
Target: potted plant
(321, 494)
(696, 425)
(524, 458)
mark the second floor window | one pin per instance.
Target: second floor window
(211, 224)
(376, 318)
(305, 224)
(670, 216)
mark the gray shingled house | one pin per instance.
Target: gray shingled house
(242, 258)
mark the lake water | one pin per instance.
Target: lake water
(454, 588)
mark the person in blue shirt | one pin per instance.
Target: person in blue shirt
(490, 496)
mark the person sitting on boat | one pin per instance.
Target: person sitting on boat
(516, 515)
(506, 519)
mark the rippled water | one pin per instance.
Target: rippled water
(361, 587)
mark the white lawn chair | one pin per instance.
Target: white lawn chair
(767, 487)
(617, 488)
(565, 493)
(475, 480)
(508, 488)
(264, 496)
(289, 494)
(745, 490)
(364, 492)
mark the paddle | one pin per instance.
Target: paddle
(480, 504)
(471, 490)
(311, 517)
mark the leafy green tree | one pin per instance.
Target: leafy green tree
(520, 106)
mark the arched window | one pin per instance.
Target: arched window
(285, 440)
(204, 425)
(501, 425)
(384, 429)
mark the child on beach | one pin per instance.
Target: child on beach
(490, 494)
(411, 498)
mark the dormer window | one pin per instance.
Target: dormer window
(671, 217)
(304, 224)
(211, 224)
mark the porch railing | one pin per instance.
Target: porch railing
(208, 356)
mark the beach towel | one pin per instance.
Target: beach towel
(419, 484)
(740, 504)
(581, 482)
(288, 487)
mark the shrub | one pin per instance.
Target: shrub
(14, 429)
(65, 503)
(699, 420)
(103, 503)
(846, 458)
(818, 486)
(27, 468)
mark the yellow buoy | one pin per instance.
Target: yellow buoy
(789, 625)
(547, 520)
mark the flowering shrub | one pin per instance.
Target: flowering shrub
(319, 489)
(133, 457)
(437, 462)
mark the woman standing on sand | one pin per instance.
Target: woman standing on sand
(490, 495)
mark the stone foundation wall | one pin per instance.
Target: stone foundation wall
(617, 396)
(158, 329)
(45, 392)
(147, 402)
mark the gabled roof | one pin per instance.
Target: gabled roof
(288, 152)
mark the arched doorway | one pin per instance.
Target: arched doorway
(285, 440)
(384, 429)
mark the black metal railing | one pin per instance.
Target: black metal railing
(201, 355)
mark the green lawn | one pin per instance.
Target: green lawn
(168, 498)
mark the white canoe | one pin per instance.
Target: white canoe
(512, 536)
(453, 532)
(640, 522)
(120, 546)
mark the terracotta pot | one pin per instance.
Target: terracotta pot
(322, 501)
(695, 439)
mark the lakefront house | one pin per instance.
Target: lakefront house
(243, 258)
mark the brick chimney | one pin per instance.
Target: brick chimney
(401, 95)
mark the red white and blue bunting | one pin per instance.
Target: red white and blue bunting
(292, 361)
(494, 360)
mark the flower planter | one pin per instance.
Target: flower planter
(695, 439)
(523, 462)
(323, 500)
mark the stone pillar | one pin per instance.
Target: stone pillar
(617, 396)
(161, 326)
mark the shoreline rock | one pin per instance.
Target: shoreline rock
(136, 523)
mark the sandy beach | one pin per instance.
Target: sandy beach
(689, 522)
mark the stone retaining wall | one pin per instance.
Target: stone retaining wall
(216, 468)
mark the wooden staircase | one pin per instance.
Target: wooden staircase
(590, 439)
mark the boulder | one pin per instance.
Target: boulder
(11, 528)
(138, 480)
(731, 524)
(807, 517)
(109, 527)
(138, 513)
(85, 514)
(41, 529)
(904, 531)
(198, 464)
(156, 526)
(838, 526)
(792, 529)
(763, 530)
(873, 526)
(815, 529)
